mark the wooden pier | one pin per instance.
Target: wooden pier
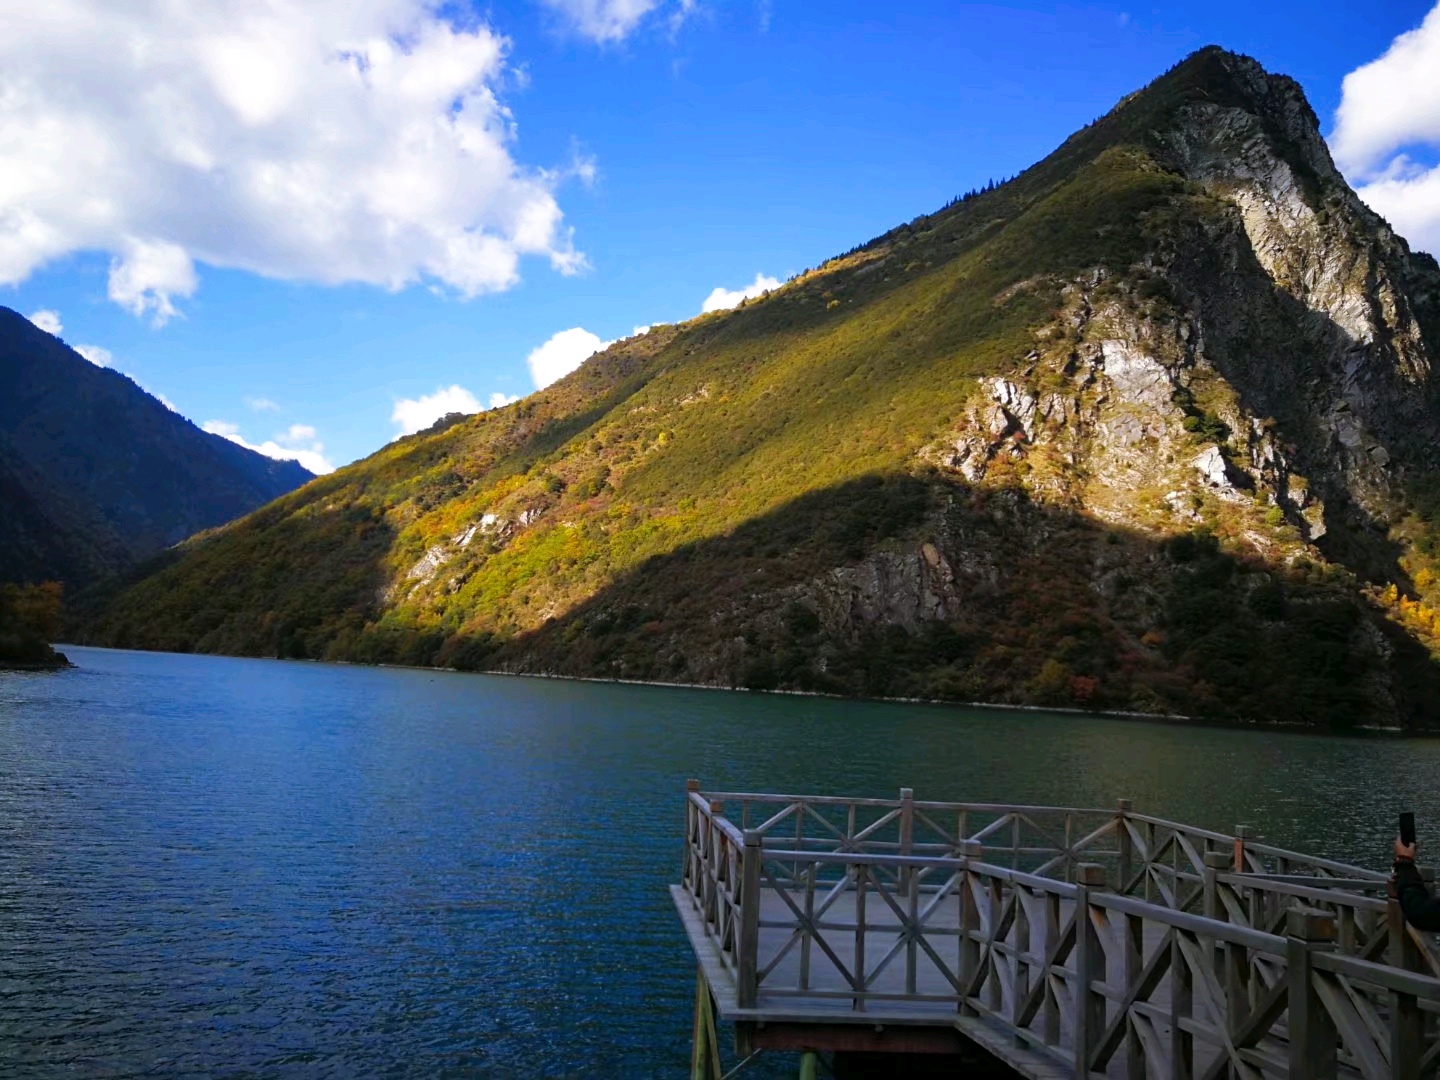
(1064, 942)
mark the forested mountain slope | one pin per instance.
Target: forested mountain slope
(96, 474)
(1152, 426)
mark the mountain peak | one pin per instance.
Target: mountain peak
(1131, 430)
(96, 473)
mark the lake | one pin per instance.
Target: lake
(215, 866)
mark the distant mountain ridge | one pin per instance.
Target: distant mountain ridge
(96, 474)
(1154, 426)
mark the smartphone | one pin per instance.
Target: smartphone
(1407, 827)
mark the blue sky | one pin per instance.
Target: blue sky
(631, 157)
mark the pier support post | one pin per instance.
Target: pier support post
(705, 1048)
(1313, 1039)
(808, 1065)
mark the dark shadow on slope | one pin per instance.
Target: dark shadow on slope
(922, 587)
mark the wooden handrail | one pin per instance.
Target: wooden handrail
(1381, 976)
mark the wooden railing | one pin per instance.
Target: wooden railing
(1088, 936)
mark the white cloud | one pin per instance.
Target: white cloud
(101, 357)
(298, 443)
(637, 331)
(416, 414)
(499, 400)
(148, 275)
(604, 20)
(48, 320)
(1387, 107)
(561, 354)
(723, 299)
(319, 140)
(261, 404)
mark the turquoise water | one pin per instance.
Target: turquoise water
(213, 866)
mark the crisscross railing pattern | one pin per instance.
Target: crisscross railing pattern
(1114, 942)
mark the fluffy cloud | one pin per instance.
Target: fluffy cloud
(561, 354)
(416, 414)
(723, 299)
(320, 140)
(102, 357)
(608, 20)
(297, 443)
(1388, 107)
(48, 320)
(499, 400)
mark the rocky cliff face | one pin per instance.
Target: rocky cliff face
(1151, 427)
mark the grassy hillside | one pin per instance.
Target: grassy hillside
(699, 502)
(663, 440)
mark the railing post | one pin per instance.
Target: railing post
(907, 838)
(1050, 1008)
(1089, 1003)
(1020, 963)
(862, 873)
(994, 994)
(1243, 833)
(687, 869)
(971, 851)
(1215, 861)
(1133, 945)
(1149, 861)
(1123, 844)
(1212, 908)
(1313, 1039)
(715, 849)
(749, 944)
(1407, 1022)
(1255, 906)
(1182, 1007)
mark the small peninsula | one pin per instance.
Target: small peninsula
(30, 617)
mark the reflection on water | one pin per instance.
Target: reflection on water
(215, 865)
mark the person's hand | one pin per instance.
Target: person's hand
(1404, 852)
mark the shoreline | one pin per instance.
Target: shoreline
(59, 663)
(1179, 719)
